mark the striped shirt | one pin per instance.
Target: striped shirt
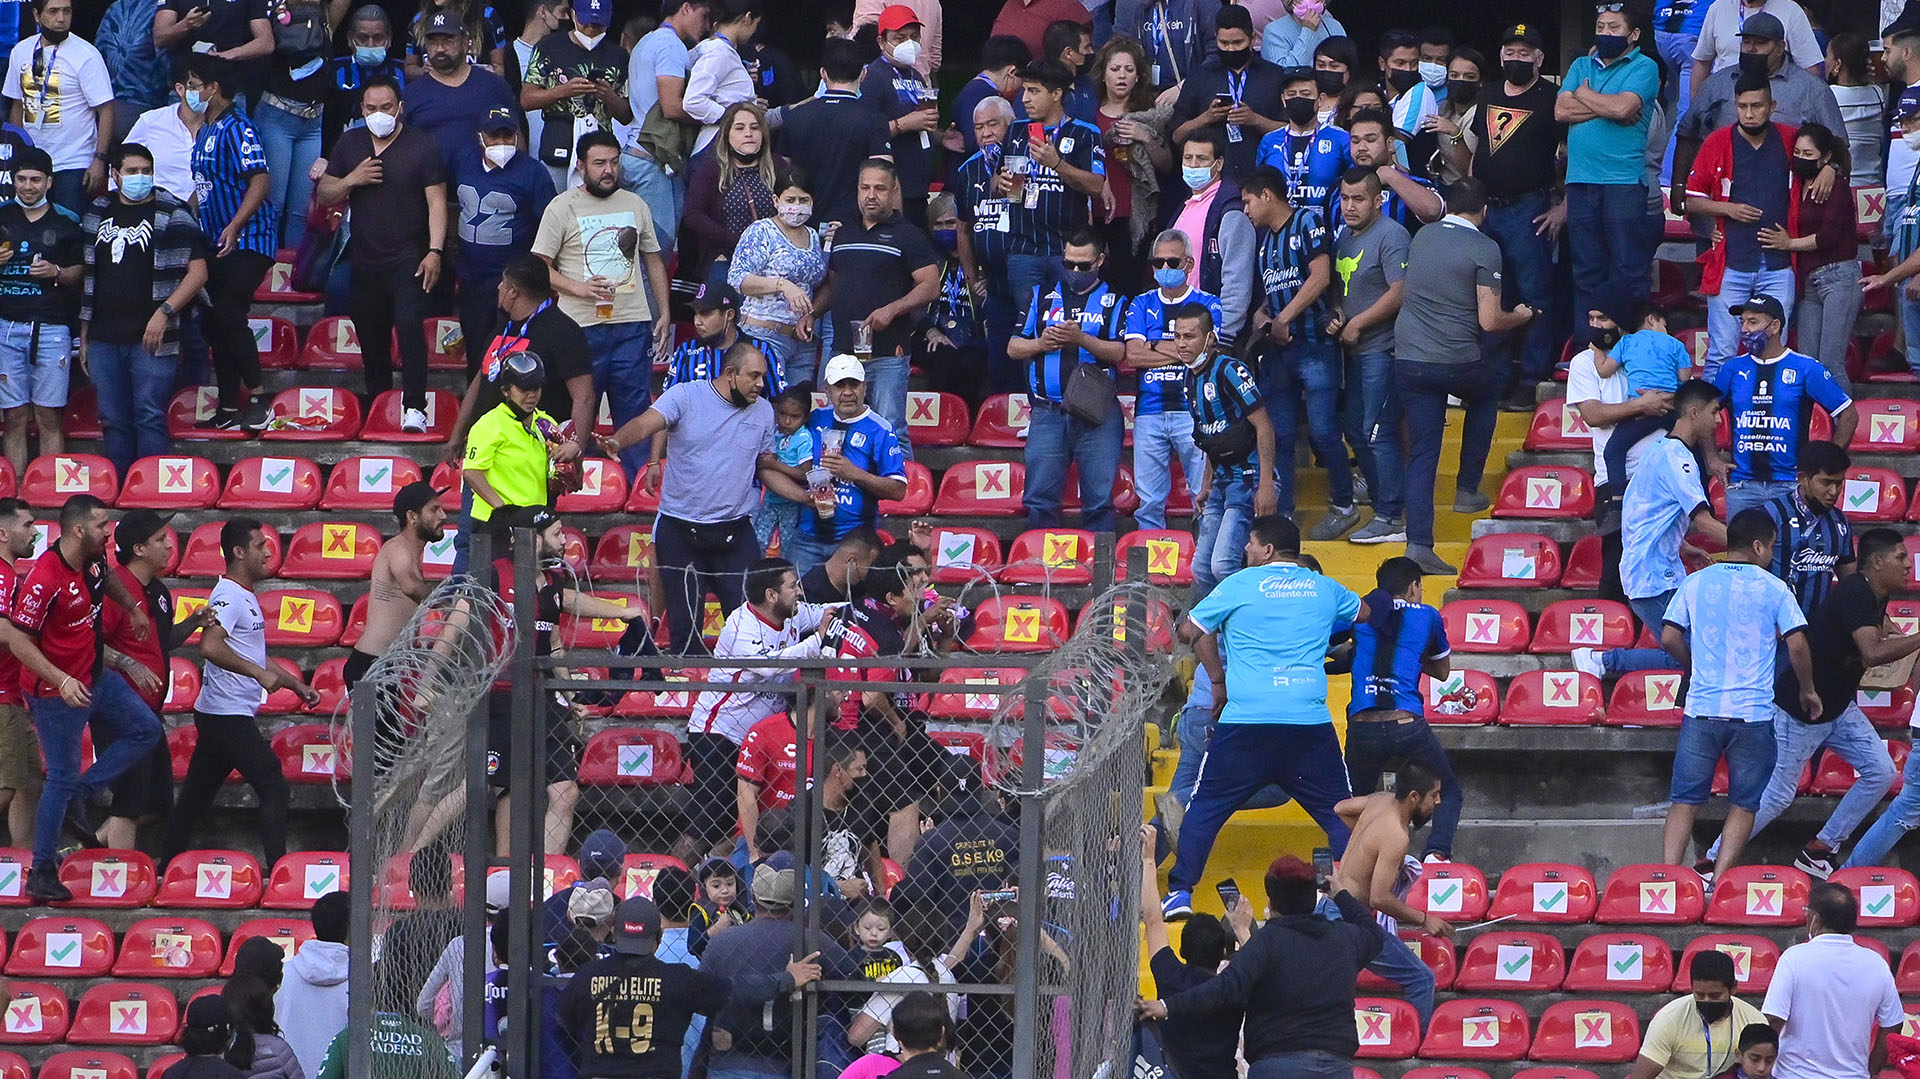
(226, 155)
(695, 362)
(1099, 313)
(171, 240)
(1812, 547)
(1286, 258)
(1220, 393)
(987, 216)
(1048, 209)
(1163, 389)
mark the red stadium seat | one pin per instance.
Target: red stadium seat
(1645, 699)
(333, 344)
(277, 340)
(1018, 624)
(1488, 626)
(192, 407)
(109, 878)
(1870, 208)
(642, 497)
(313, 414)
(288, 933)
(1158, 623)
(1546, 892)
(446, 344)
(603, 489)
(301, 877)
(171, 483)
(1754, 958)
(331, 551)
(964, 555)
(1587, 1031)
(212, 880)
(1001, 416)
(202, 557)
(937, 419)
(14, 863)
(919, 497)
(1552, 698)
(1438, 1071)
(1169, 556)
(1620, 963)
(356, 622)
(180, 742)
(330, 682)
(1873, 495)
(1887, 709)
(125, 1013)
(1560, 492)
(37, 1015)
(307, 753)
(1906, 977)
(1389, 1028)
(637, 873)
(183, 689)
(981, 489)
(598, 633)
(1558, 428)
(964, 702)
(1436, 952)
(667, 704)
(624, 553)
(630, 757)
(1454, 890)
(14, 1066)
(1466, 698)
(1834, 777)
(89, 1063)
(1582, 623)
(277, 287)
(301, 618)
(1759, 895)
(1584, 565)
(1057, 556)
(272, 483)
(383, 418)
(81, 418)
(1125, 498)
(1511, 560)
(1887, 425)
(50, 480)
(1889, 898)
(1472, 1028)
(1509, 962)
(169, 947)
(61, 946)
(368, 483)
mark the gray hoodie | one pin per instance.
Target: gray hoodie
(311, 1006)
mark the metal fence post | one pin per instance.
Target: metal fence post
(522, 1041)
(473, 920)
(1033, 860)
(360, 882)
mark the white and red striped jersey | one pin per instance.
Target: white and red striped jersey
(748, 635)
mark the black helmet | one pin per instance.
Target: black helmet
(523, 370)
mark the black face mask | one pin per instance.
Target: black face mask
(734, 395)
(1235, 59)
(1301, 111)
(1752, 63)
(1756, 129)
(1805, 168)
(1518, 72)
(1330, 82)
(1402, 80)
(1712, 1011)
(1607, 338)
(1462, 92)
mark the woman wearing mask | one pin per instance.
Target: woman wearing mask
(1334, 61)
(288, 118)
(1452, 152)
(954, 349)
(1134, 128)
(731, 187)
(486, 34)
(1290, 40)
(1862, 105)
(1825, 249)
(776, 267)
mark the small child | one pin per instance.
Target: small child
(206, 1035)
(793, 447)
(1655, 362)
(875, 950)
(1759, 1047)
(719, 907)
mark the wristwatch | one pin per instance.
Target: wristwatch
(166, 307)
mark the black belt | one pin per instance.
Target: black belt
(1510, 200)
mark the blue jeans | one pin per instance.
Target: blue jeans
(1158, 440)
(134, 387)
(1737, 287)
(1751, 494)
(623, 370)
(1677, 50)
(1309, 371)
(1241, 759)
(1652, 613)
(1396, 963)
(1854, 740)
(1527, 277)
(777, 513)
(1901, 817)
(1606, 230)
(1055, 440)
(1002, 315)
(292, 145)
(793, 360)
(1220, 546)
(887, 394)
(1373, 430)
(1748, 748)
(803, 550)
(1024, 274)
(665, 196)
(463, 536)
(128, 730)
(1422, 390)
(1373, 746)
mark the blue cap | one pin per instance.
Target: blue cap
(592, 13)
(601, 855)
(1908, 105)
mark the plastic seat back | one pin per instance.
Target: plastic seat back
(1645, 699)
(937, 419)
(1465, 698)
(300, 877)
(169, 947)
(37, 1015)
(1587, 1031)
(170, 483)
(1546, 492)
(1620, 963)
(1060, 556)
(313, 414)
(274, 483)
(1511, 560)
(62, 946)
(52, 479)
(1487, 626)
(125, 1013)
(1546, 892)
(1388, 1027)
(963, 555)
(1754, 958)
(368, 483)
(1454, 890)
(981, 489)
(1553, 699)
(1582, 623)
(1511, 962)
(211, 879)
(1476, 1028)
(1169, 556)
(1889, 898)
(109, 878)
(1759, 895)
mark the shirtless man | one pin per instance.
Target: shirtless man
(1373, 869)
(398, 585)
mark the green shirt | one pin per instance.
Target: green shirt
(401, 1049)
(513, 456)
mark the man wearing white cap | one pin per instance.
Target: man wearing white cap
(863, 458)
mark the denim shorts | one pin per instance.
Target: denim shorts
(1748, 748)
(29, 376)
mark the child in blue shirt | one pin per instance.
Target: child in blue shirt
(1655, 362)
(793, 447)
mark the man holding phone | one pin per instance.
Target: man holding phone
(578, 81)
(909, 101)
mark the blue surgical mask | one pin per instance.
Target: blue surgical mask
(137, 187)
(369, 55)
(1196, 177)
(196, 101)
(1754, 342)
(947, 238)
(1169, 277)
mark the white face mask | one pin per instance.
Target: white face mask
(796, 213)
(907, 52)
(587, 42)
(1912, 139)
(381, 124)
(500, 155)
(1434, 75)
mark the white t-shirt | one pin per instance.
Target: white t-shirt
(162, 131)
(58, 87)
(1901, 162)
(1585, 384)
(1719, 43)
(1832, 993)
(880, 1005)
(222, 692)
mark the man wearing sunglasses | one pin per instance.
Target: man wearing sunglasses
(1162, 426)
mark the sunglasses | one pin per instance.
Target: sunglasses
(1599, 8)
(1072, 264)
(1166, 264)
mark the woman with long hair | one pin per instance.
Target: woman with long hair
(1450, 158)
(258, 1049)
(731, 187)
(1357, 98)
(1824, 246)
(486, 34)
(1334, 62)
(776, 267)
(1134, 128)
(1862, 103)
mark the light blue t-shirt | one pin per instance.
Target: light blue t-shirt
(1653, 360)
(1659, 503)
(1601, 151)
(1274, 622)
(1734, 614)
(659, 54)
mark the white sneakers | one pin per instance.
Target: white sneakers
(413, 421)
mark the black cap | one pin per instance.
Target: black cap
(413, 498)
(1524, 32)
(499, 122)
(636, 927)
(32, 159)
(716, 297)
(444, 21)
(1765, 26)
(137, 526)
(1761, 305)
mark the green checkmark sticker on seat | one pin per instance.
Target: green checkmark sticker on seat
(280, 476)
(1627, 964)
(1555, 900)
(322, 885)
(955, 551)
(62, 953)
(1445, 894)
(1859, 498)
(376, 477)
(1880, 906)
(1517, 965)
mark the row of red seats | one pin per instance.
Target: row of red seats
(93, 1064)
(1566, 894)
(1566, 698)
(1490, 1029)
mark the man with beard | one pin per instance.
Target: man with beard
(398, 585)
(716, 329)
(1374, 868)
(455, 97)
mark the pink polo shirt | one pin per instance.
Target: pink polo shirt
(1193, 222)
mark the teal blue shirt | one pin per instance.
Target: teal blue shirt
(1273, 623)
(1601, 151)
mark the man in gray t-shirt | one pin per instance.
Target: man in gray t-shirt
(1370, 263)
(657, 75)
(717, 435)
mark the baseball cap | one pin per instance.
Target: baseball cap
(444, 22)
(715, 296)
(499, 891)
(636, 927)
(1908, 104)
(412, 498)
(773, 886)
(601, 854)
(897, 17)
(1523, 32)
(1765, 26)
(499, 122)
(1762, 305)
(32, 159)
(592, 13)
(137, 526)
(841, 368)
(591, 902)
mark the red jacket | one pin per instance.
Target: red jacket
(1712, 179)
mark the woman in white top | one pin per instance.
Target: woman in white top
(1862, 105)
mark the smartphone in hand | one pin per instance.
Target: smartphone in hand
(1229, 891)
(1322, 866)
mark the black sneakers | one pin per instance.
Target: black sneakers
(43, 885)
